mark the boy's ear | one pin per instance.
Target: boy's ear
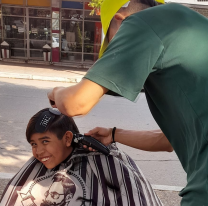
(68, 138)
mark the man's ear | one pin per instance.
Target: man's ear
(119, 17)
(68, 138)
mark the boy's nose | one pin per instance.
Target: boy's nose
(39, 151)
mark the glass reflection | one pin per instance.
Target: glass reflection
(71, 36)
(18, 53)
(13, 11)
(68, 56)
(14, 27)
(38, 44)
(16, 44)
(40, 13)
(40, 29)
(72, 14)
(90, 57)
(92, 37)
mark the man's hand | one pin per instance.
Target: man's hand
(103, 135)
(153, 141)
(78, 99)
(51, 96)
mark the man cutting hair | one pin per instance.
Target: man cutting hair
(163, 49)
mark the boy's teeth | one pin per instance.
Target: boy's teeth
(44, 159)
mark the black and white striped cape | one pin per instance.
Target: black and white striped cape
(90, 179)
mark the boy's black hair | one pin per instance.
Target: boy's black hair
(60, 125)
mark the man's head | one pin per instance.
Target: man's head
(50, 135)
(112, 18)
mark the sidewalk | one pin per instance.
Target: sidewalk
(41, 72)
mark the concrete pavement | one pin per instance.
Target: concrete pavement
(41, 72)
(72, 75)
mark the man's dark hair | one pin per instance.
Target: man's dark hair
(139, 5)
(60, 125)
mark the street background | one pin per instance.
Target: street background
(20, 99)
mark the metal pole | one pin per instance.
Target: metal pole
(28, 27)
(83, 33)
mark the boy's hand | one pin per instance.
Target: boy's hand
(103, 135)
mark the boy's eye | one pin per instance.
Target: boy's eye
(45, 141)
(33, 144)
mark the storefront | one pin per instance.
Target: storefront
(66, 28)
(200, 6)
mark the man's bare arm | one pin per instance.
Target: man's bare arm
(154, 140)
(78, 99)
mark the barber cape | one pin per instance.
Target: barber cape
(81, 180)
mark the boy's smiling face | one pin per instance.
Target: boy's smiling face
(50, 150)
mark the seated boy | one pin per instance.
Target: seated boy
(63, 175)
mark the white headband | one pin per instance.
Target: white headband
(126, 4)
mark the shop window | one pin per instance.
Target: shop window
(14, 27)
(16, 44)
(94, 17)
(72, 14)
(36, 54)
(15, 11)
(72, 4)
(0, 26)
(55, 40)
(71, 39)
(40, 29)
(92, 37)
(90, 57)
(70, 56)
(34, 44)
(80, 33)
(40, 13)
(18, 53)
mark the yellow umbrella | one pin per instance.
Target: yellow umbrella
(107, 15)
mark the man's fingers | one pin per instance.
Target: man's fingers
(51, 99)
(93, 131)
(52, 102)
(90, 148)
(50, 95)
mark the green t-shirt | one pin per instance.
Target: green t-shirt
(165, 49)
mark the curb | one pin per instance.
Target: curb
(37, 77)
(167, 188)
(155, 187)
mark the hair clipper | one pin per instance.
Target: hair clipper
(90, 142)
